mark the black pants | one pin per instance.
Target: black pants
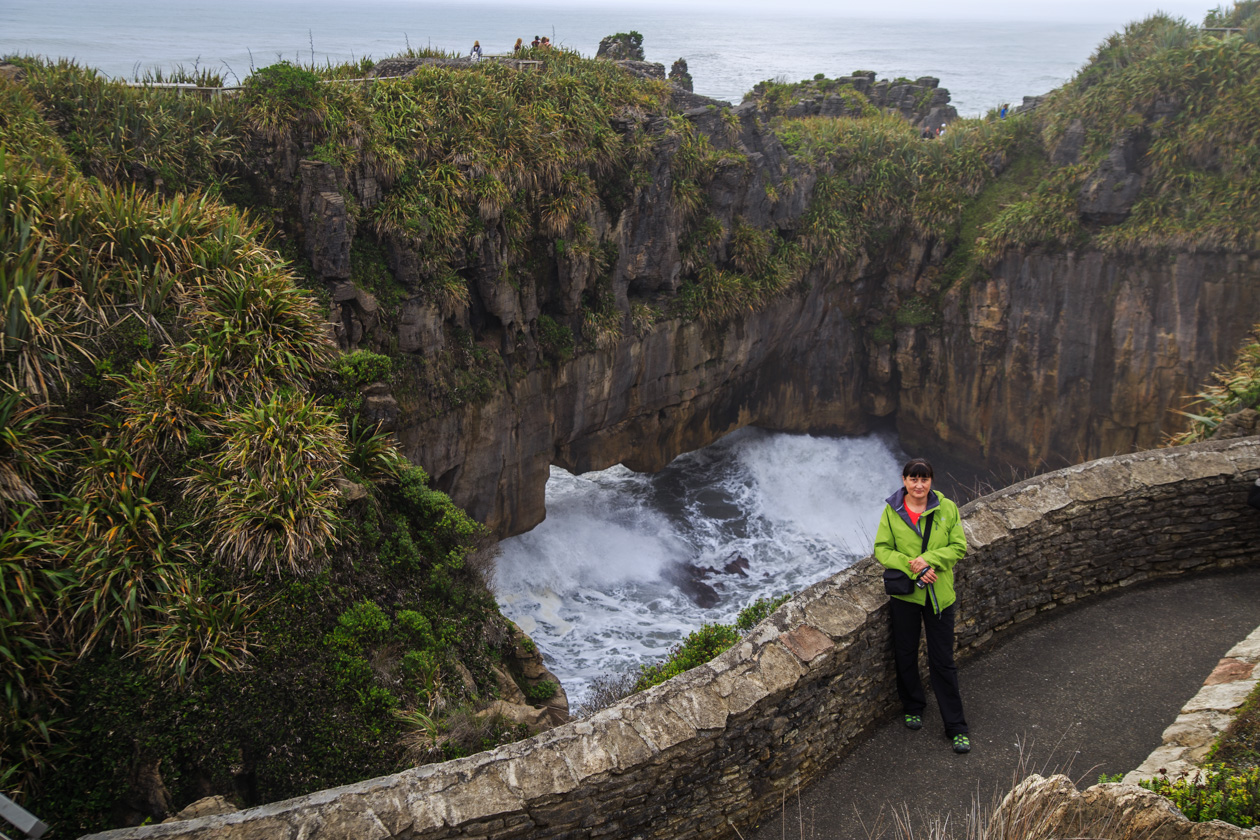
(906, 619)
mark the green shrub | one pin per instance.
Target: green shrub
(1214, 793)
(414, 628)
(363, 367)
(756, 612)
(555, 340)
(365, 623)
(541, 693)
(698, 648)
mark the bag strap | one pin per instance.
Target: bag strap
(927, 530)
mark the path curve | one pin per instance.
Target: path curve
(1084, 690)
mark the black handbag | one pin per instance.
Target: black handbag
(897, 582)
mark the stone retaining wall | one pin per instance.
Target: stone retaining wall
(1205, 716)
(720, 745)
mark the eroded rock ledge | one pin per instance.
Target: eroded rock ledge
(1043, 360)
(1052, 359)
(720, 745)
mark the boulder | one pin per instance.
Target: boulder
(643, 69)
(1120, 811)
(508, 689)
(679, 75)
(379, 406)
(526, 660)
(517, 713)
(328, 226)
(1068, 150)
(1110, 192)
(11, 72)
(209, 806)
(621, 47)
(1240, 424)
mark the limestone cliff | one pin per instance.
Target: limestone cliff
(1049, 359)
(1052, 305)
(1053, 360)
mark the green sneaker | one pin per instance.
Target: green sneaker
(962, 744)
(914, 722)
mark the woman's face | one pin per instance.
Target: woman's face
(917, 487)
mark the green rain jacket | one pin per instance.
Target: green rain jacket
(897, 542)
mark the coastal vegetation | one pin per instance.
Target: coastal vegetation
(1153, 91)
(217, 576)
(210, 544)
(1233, 389)
(1227, 786)
(704, 644)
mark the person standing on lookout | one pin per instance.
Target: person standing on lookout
(475, 52)
(920, 539)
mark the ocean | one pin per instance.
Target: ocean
(983, 63)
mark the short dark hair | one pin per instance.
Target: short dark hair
(917, 468)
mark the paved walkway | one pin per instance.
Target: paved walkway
(1087, 691)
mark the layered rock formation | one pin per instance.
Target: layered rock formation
(1046, 359)
(624, 46)
(922, 101)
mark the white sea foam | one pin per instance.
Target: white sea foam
(592, 583)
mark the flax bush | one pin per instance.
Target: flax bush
(1234, 387)
(269, 493)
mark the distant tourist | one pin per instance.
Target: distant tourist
(546, 43)
(920, 539)
(941, 133)
(518, 47)
(927, 133)
(475, 53)
(536, 43)
(1002, 113)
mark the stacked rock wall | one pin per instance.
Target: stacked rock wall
(719, 746)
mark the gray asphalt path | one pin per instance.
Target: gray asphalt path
(1088, 690)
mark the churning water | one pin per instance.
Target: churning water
(627, 564)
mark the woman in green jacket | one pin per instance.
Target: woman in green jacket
(899, 545)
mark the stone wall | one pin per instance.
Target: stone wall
(719, 746)
(1206, 715)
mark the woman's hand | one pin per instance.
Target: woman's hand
(918, 565)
